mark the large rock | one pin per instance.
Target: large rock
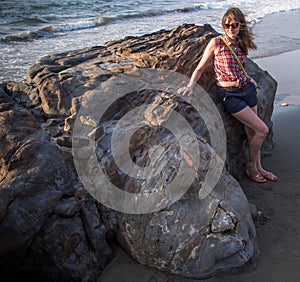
(194, 236)
(49, 228)
(64, 80)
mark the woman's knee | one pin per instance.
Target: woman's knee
(263, 130)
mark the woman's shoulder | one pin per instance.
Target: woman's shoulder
(216, 38)
(214, 43)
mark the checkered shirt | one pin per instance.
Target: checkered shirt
(225, 64)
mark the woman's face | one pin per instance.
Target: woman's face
(232, 28)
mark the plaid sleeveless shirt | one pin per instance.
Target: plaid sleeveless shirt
(226, 66)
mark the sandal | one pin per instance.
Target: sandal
(259, 178)
(269, 175)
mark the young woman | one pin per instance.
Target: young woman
(237, 93)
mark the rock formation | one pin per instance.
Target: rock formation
(49, 223)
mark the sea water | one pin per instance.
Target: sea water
(35, 28)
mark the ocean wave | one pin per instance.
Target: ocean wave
(25, 36)
(53, 30)
(82, 24)
(58, 29)
(28, 21)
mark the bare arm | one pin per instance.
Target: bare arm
(207, 55)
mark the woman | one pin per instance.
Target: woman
(237, 93)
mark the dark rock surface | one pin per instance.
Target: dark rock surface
(50, 224)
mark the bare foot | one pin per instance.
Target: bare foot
(256, 177)
(268, 175)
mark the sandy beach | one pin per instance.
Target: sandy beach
(278, 226)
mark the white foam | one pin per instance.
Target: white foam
(254, 9)
(82, 24)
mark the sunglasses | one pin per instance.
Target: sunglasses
(233, 25)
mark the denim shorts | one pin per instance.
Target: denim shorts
(235, 99)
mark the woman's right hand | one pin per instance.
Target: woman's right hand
(187, 90)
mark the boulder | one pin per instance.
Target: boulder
(50, 228)
(65, 116)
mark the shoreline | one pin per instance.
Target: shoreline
(15, 67)
(284, 69)
(275, 31)
(279, 202)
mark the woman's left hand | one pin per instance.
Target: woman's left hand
(185, 90)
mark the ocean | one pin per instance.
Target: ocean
(35, 28)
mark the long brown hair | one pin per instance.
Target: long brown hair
(245, 36)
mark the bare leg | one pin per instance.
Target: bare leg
(256, 131)
(267, 174)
